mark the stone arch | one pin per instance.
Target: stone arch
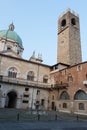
(64, 96)
(15, 68)
(80, 95)
(11, 99)
(30, 75)
(12, 72)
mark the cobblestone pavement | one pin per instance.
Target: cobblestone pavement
(51, 125)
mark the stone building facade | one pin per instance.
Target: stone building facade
(34, 85)
(25, 80)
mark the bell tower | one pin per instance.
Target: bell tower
(69, 45)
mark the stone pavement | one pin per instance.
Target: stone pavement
(51, 125)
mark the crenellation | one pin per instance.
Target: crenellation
(69, 10)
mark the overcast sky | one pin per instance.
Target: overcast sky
(36, 22)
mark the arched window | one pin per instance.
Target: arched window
(30, 76)
(64, 96)
(45, 78)
(73, 21)
(80, 95)
(63, 23)
(64, 105)
(12, 72)
(81, 106)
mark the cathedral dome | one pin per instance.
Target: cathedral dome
(11, 34)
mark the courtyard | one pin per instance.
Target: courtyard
(15, 119)
(53, 125)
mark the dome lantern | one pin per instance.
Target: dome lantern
(11, 27)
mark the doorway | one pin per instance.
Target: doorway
(11, 100)
(53, 105)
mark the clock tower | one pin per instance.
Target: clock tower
(69, 45)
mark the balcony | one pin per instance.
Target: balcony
(24, 82)
(60, 86)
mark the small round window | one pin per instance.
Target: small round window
(63, 23)
(73, 21)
